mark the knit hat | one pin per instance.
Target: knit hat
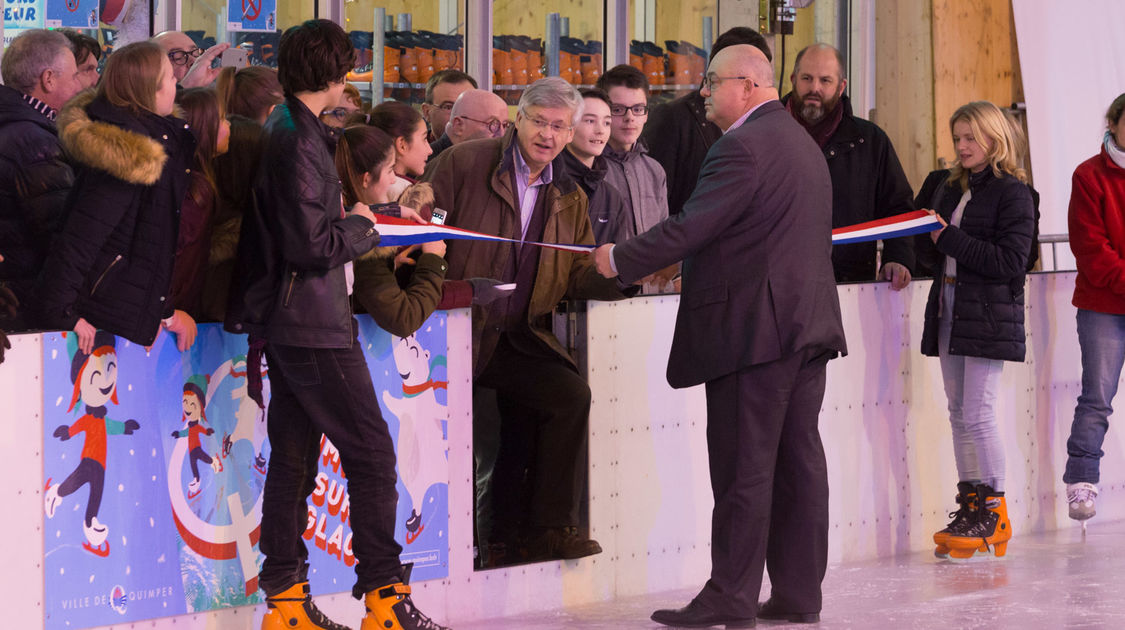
(197, 385)
(78, 359)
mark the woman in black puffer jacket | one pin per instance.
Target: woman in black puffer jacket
(974, 315)
(111, 267)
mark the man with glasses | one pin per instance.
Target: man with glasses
(442, 91)
(476, 114)
(190, 63)
(759, 319)
(636, 175)
(516, 187)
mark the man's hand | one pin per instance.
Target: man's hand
(184, 328)
(602, 258)
(897, 273)
(201, 74)
(85, 333)
(937, 233)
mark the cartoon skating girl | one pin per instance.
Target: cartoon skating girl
(194, 402)
(95, 384)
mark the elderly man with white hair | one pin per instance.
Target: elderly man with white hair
(516, 186)
(40, 75)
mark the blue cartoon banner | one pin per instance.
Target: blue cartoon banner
(155, 463)
(252, 15)
(72, 14)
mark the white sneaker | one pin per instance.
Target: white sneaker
(1080, 497)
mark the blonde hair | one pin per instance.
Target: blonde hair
(132, 75)
(1006, 142)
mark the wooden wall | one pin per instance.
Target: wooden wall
(904, 83)
(975, 59)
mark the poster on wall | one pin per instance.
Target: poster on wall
(252, 15)
(72, 14)
(155, 463)
(20, 15)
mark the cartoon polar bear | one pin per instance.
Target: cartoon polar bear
(421, 441)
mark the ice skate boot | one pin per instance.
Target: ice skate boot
(390, 608)
(1080, 500)
(193, 488)
(967, 505)
(991, 530)
(293, 609)
(96, 533)
(51, 499)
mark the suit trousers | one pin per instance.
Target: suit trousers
(544, 408)
(327, 392)
(770, 482)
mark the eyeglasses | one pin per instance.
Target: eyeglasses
(712, 81)
(494, 126)
(339, 113)
(555, 127)
(180, 57)
(638, 110)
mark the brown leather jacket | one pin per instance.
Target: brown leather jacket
(472, 182)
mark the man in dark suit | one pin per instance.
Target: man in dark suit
(759, 319)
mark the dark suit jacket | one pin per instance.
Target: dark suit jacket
(756, 240)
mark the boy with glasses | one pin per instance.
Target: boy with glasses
(637, 176)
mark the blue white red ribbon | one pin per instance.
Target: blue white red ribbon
(905, 224)
(395, 232)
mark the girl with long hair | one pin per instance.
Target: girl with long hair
(974, 314)
(212, 131)
(407, 130)
(111, 267)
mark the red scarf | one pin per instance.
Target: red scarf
(822, 130)
(411, 391)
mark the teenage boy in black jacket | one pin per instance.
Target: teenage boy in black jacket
(295, 259)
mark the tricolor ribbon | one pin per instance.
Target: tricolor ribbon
(905, 224)
(395, 232)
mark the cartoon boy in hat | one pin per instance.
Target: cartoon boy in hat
(194, 404)
(95, 383)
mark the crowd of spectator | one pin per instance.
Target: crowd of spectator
(167, 192)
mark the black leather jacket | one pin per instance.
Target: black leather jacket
(34, 182)
(290, 285)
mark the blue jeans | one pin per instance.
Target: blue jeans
(971, 384)
(1101, 336)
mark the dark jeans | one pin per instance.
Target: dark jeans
(544, 408)
(1101, 336)
(770, 482)
(327, 391)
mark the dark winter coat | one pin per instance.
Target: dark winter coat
(678, 135)
(295, 240)
(609, 216)
(868, 183)
(34, 181)
(112, 263)
(991, 248)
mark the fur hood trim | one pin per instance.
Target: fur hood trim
(126, 155)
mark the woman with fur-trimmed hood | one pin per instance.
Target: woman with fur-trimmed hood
(111, 267)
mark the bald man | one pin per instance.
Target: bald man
(190, 63)
(759, 319)
(475, 114)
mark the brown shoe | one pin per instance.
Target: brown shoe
(561, 543)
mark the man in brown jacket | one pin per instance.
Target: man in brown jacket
(516, 187)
